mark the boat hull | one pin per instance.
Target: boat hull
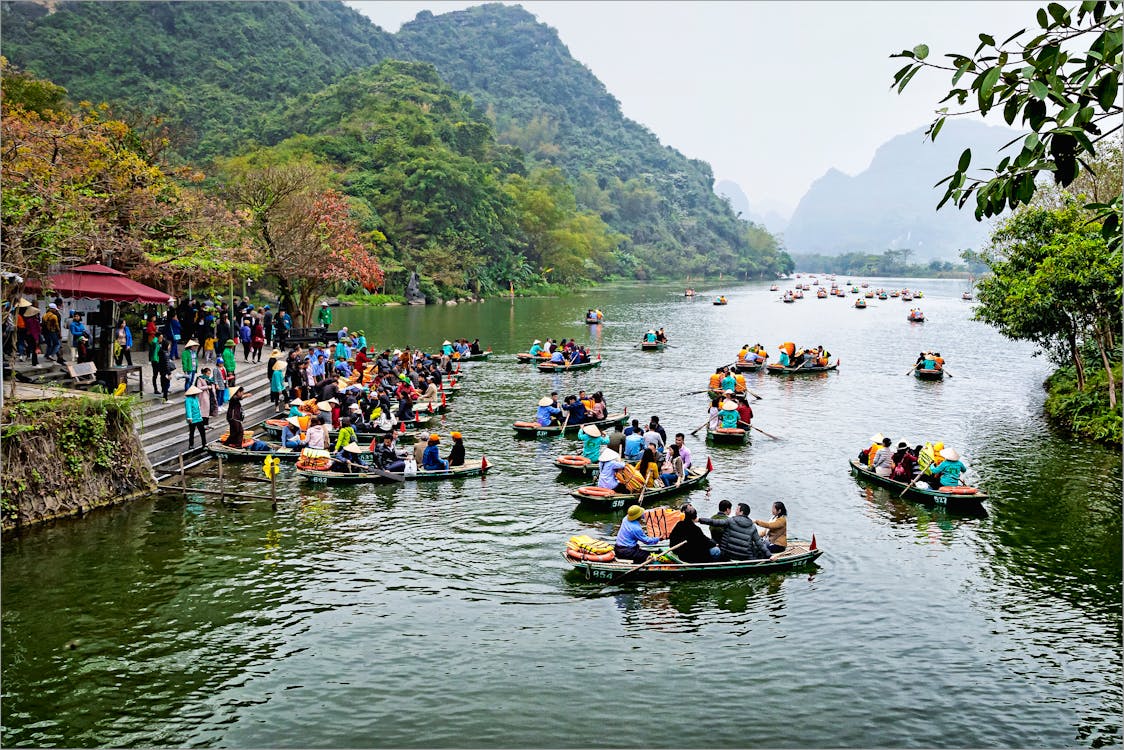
(726, 436)
(648, 346)
(575, 470)
(928, 374)
(797, 556)
(470, 469)
(970, 504)
(531, 430)
(750, 366)
(781, 370)
(551, 367)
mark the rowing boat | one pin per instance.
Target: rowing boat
(525, 357)
(593, 321)
(219, 448)
(534, 429)
(922, 374)
(720, 302)
(776, 369)
(551, 367)
(798, 555)
(728, 435)
(481, 357)
(955, 499)
(596, 497)
(652, 346)
(860, 304)
(275, 426)
(470, 469)
(743, 366)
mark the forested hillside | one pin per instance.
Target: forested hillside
(537, 175)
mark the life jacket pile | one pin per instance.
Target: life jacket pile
(312, 459)
(630, 477)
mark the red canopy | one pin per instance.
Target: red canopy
(96, 281)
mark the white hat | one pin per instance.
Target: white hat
(446, 342)
(545, 401)
(608, 455)
(295, 402)
(397, 352)
(53, 306)
(323, 304)
(324, 406)
(333, 400)
(536, 341)
(353, 448)
(950, 454)
(294, 422)
(354, 407)
(591, 430)
(190, 344)
(877, 438)
(193, 391)
(729, 405)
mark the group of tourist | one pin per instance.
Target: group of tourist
(732, 537)
(459, 348)
(792, 357)
(634, 457)
(654, 336)
(574, 409)
(729, 411)
(930, 465)
(929, 361)
(726, 379)
(561, 352)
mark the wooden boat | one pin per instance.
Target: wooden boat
(918, 294)
(922, 374)
(788, 299)
(743, 366)
(860, 303)
(798, 294)
(689, 293)
(470, 469)
(551, 367)
(966, 295)
(895, 294)
(821, 293)
(593, 321)
(907, 298)
(918, 317)
(776, 369)
(612, 501)
(869, 295)
(883, 296)
(218, 448)
(728, 435)
(653, 346)
(798, 555)
(481, 357)
(774, 288)
(534, 429)
(526, 357)
(720, 301)
(865, 284)
(854, 290)
(576, 465)
(958, 500)
(275, 426)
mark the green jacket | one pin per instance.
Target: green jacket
(228, 360)
(325, 317)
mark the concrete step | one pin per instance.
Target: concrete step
(165, 436)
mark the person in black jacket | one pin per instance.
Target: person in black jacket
(740, 540)
(699, 548)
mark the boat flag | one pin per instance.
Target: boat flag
(709, 464)
(483, 462)
(402, 426)
(812, 547)
(443, 403)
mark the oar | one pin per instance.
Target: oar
(910, 370)
(704, 424)
(751, 393)
(565, 422)
(946, 372)
(373, 470)
(695, 393)
(644, 564)
(911, 484)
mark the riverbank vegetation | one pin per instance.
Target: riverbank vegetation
(890, 263)
(431, 151)
(65, 456)
(1055, 262)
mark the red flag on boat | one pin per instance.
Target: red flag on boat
(402, 425)
(812, 547)
(483, 462)
(443, 398)
(709, 464)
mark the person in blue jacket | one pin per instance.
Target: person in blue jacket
(431, 457)
(194, 417)
(548, 413)
(631, 536)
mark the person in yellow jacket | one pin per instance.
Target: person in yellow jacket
(875, 445)
(743, 353)
(739, 383)
(716, 380)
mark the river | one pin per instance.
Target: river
(443, 615)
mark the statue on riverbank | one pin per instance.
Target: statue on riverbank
(413, 293)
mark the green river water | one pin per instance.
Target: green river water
(444, 616)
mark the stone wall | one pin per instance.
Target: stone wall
(65, 456)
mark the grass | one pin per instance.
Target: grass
(1087, 413)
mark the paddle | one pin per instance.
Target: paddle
(910, 485)
(751, 393)
(644, 564)
(946, 372)
(695, 393)
(704, 424)
(373, 470)
(565, 422)
(910, 370)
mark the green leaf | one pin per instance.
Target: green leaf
(987, 39)
(965, 160)
(1106, 90)
(988, 83)
(921, 51)
(936, 128)
(907, 78)
(1038, 90)
(1058, 12)
(1011, 111)
(1043, 19)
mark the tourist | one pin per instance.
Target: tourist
(346, 433)
(633, 442)
(52, 332)
(867, 456)
(277, 384)
(206, 385)
(610, 464)
(672, 470)
(649, 466)
(124, 344)
(724, 507)
(883, 463)
(684, 453)
(575, 409)
(904, 461)
(653, 438)
(245, 334)
(431, 458)
(740, 540)
(690, 543)
(194, 417)
(228, 361)
(32, 332)
(235, 432)
(317, 435)
(79, 338)
(631, 535)
(456, 453)
(713, 420)
(777, 535)
(257, 339)
(189, 361)
(386, 457)
(616, 439)
(598, 410)
(548, 412)
(165, 367)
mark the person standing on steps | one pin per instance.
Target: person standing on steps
(164, 366)
(124, 343)
(194, 418)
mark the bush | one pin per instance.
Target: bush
(1085, 413)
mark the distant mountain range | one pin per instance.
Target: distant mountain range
(732, 191)
(891, 204)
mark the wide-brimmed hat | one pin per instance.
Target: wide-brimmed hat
(323, 406)
(607, 454)
(323, 304)
(446, 342)
(729, 405)
(294, 421)
(229, 342)
(295, 402)
(877, 437)
(950, 454)
(545, 401)
(354, 407)
(353, 448)
(333, 400)
(275, 353)
(591, 430)
(192, 391)
(31, 312)
(278, 366)
(634, 512)
(52, 306)
(536, 341)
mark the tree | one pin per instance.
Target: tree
(1063, 83)
(304, 232)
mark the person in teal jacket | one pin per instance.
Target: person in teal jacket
(194, 417)
(728, 414)
(276, 383)
(729, 382)
(950, 469)
(592, 442)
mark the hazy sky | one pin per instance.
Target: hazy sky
(772, 94)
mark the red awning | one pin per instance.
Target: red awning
(96, 281)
